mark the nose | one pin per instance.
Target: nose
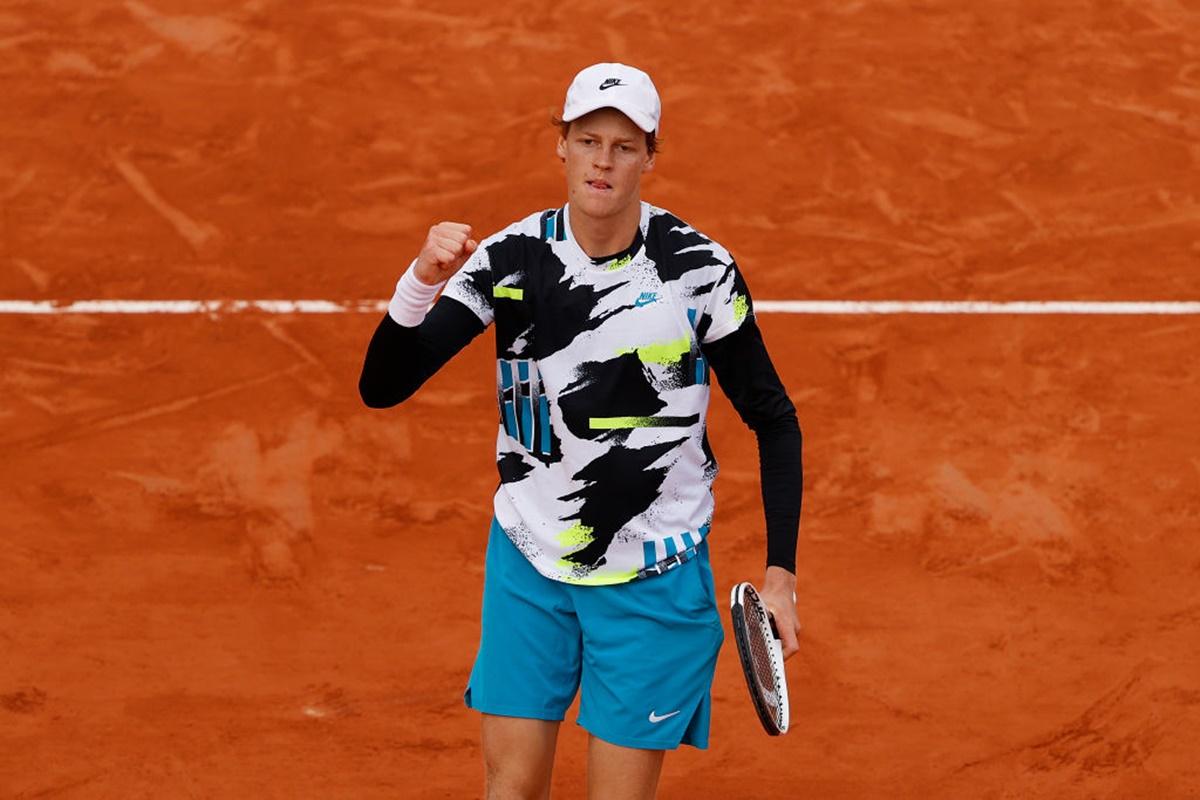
(603, 158)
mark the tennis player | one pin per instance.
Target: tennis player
(610, 317)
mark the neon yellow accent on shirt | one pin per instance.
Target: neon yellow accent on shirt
(511, 292)
(741, 307)
(663, 353)
(578, 535)
(620, 423)
(620, 262)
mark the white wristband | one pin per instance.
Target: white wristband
(412, 298)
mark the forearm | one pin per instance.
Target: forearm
(782, 476)
(390, 372)
(400, 358)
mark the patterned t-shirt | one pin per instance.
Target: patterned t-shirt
(605, 469)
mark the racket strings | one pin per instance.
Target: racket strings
(761, 657)
(764, 668)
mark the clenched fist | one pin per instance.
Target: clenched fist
(447, 247)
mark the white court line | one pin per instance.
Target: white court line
(819, 307)
(974, 307)
(190, 306)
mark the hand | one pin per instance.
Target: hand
(447, 247)
(779, 596)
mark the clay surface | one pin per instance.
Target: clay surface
(221, 576)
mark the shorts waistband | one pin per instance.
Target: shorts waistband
(670, 562)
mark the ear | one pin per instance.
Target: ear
(561, 149)
(648, 164)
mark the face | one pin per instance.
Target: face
(605, 155)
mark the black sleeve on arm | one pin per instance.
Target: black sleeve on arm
(400, 359)
(747, 376)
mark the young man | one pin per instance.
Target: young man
(609, 314)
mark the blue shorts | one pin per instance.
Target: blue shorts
(642, 653)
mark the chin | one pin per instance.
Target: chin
(599, 207)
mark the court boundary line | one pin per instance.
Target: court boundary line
(808, 307)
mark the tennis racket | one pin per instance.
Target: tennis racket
(762, 657)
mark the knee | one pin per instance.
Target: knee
(514, 780)
(518, 758)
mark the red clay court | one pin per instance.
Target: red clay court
(216, 566)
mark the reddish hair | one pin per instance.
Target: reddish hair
(653, 144)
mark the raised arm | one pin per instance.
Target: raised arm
(409, 346)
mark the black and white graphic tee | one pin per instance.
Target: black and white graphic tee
(602, 390)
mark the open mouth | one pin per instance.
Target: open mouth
(600, 186)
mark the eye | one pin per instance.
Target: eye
(626, 148)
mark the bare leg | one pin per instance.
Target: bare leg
(622, 773)
(518, 756)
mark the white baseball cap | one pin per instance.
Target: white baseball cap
(627, 89)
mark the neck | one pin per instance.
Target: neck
(602, 236)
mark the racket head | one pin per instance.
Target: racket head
(761, 654)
